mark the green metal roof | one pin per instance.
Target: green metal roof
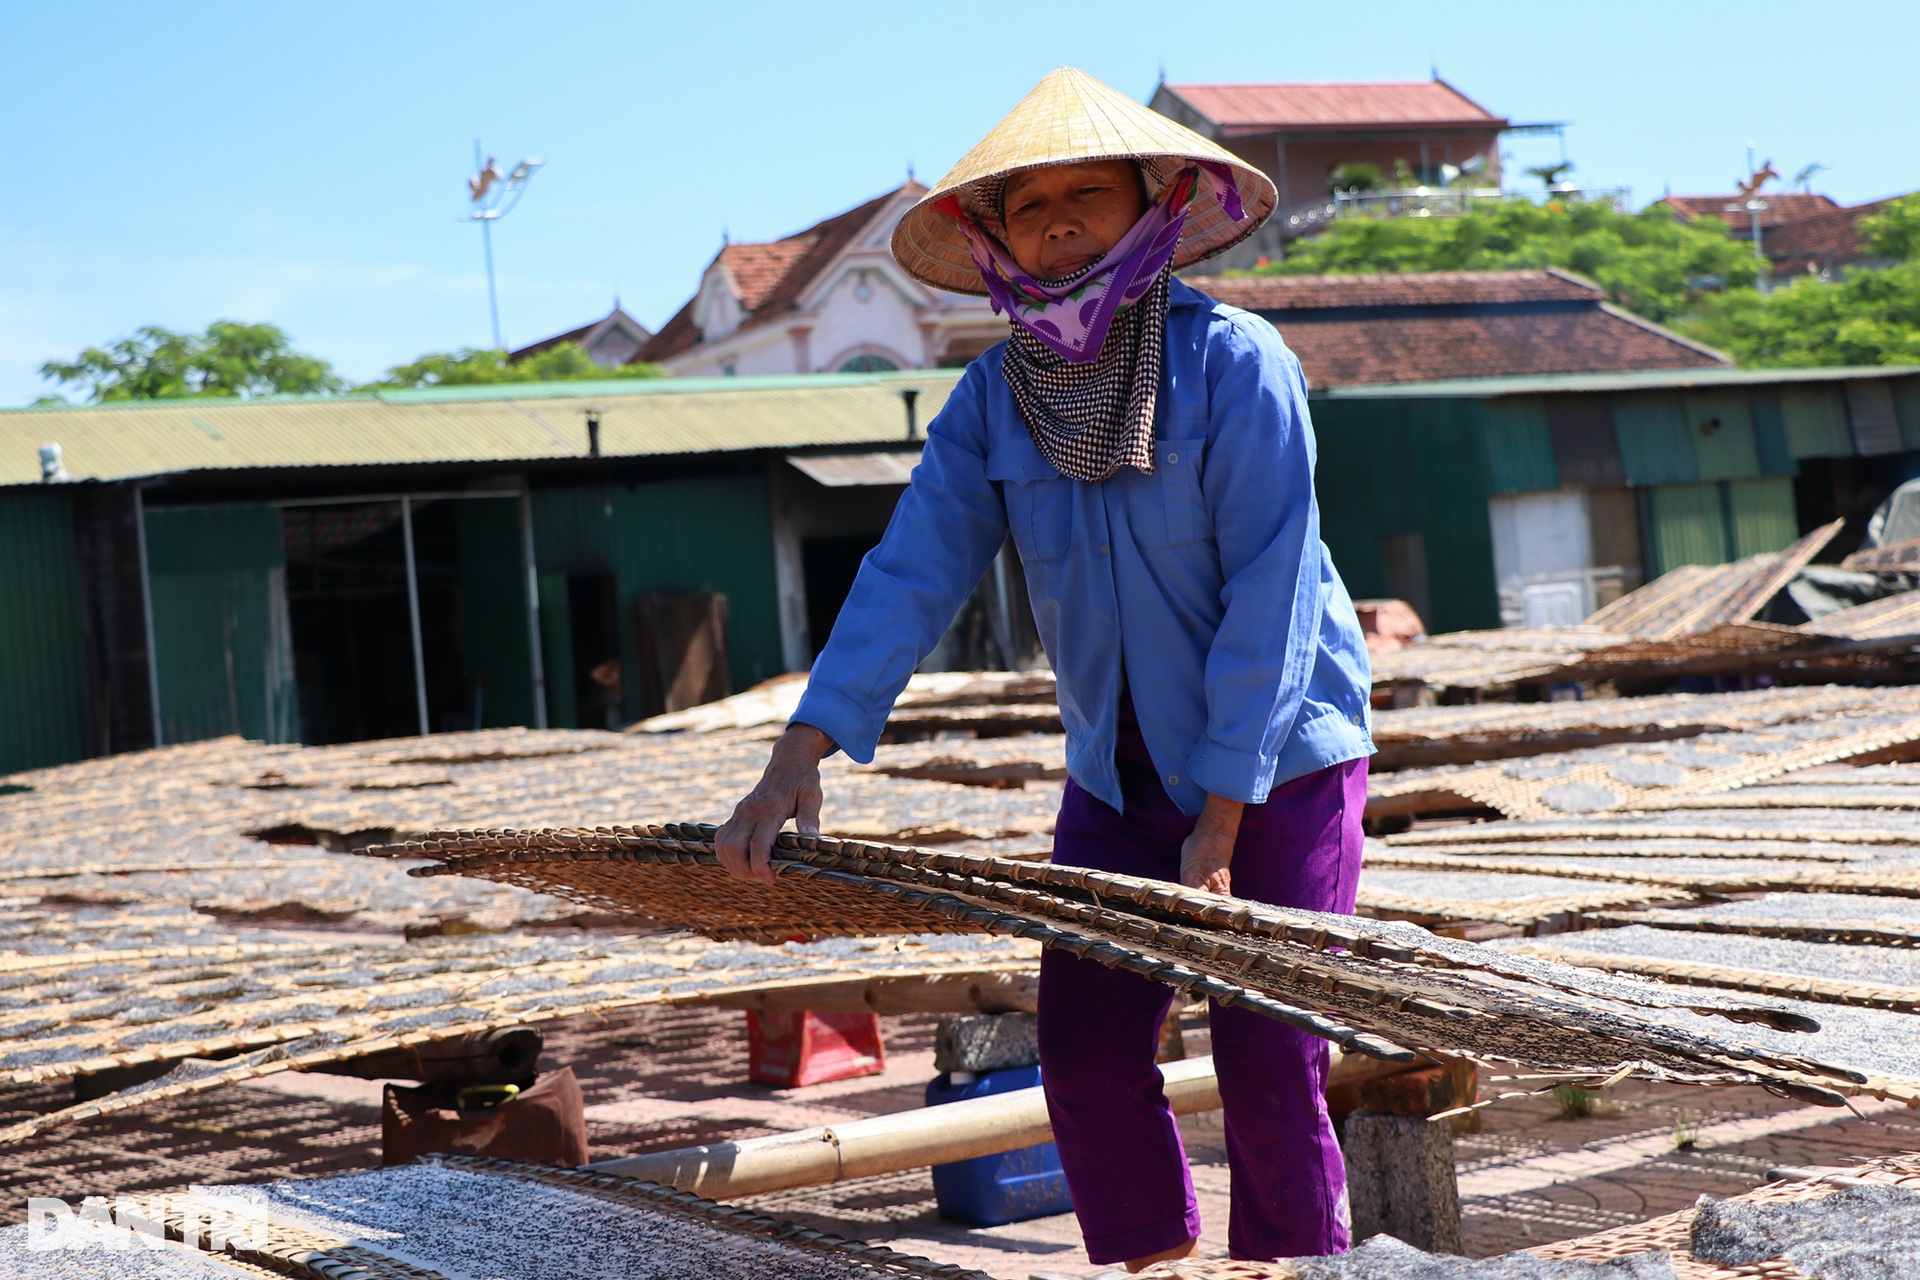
(515, 422)
(1635, 380)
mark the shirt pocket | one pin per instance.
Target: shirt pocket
(1039, 511)
(1167, 508)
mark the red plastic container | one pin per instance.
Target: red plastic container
(793, 1049)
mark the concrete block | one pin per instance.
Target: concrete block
(1400, 1180)
(986, 1042)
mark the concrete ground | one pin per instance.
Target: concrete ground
(664, 1078)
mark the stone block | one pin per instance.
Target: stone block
(986, 1042)
(1400, 1180)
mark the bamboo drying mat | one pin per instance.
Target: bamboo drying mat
(1394, 990)
(1489, 659)
(1683, 876)
(1887, 618)
(1644, 775)
(1843, 918)
(1830, 829)
(1696, 598)
(1461, 893)
(199, 824)
(449, 1217)
(246, 1010)
(1673, 1231)
(1417, 736)
(1834, 973)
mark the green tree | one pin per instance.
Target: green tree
(229, 359)
(1894, 232)
(1355, 175)
(1649, 262)
(471, 366)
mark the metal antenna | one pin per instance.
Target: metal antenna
(493, 196)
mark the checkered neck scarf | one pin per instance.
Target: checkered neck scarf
(1091, 419)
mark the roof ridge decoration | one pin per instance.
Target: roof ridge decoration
(802, 257)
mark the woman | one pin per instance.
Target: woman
(1150, 453)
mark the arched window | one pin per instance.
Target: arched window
(867, 362)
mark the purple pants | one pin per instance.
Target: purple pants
(1099, 1029)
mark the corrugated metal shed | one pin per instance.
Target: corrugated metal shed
(1632, 380)
(1721, 428)
(467, 424)
(43, 697)
(1520, 457)
(220, 624)
(1654, 448)
(710, 534)
(1816, 421)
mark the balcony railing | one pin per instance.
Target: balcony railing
(1433, 202)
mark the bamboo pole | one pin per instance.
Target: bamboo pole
(910, 1139)
(934, 993)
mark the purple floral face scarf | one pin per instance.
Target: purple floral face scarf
(1073, 317)
(1083, 356)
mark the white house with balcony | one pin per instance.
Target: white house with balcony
(829, 299)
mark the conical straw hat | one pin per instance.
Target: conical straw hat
(1070, 117)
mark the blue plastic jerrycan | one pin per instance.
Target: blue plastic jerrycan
(1010, 1187)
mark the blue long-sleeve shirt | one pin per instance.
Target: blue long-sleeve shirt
(1206, 581)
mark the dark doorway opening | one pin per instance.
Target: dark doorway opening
(352, 636)
(828, 567)
(593, 615)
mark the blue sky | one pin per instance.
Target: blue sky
(302, 163)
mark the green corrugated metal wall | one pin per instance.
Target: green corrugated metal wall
(1654, 440)
(493, 587)
(43, 692)
(1761, 512)
(1401, 466)
(1906, 403)
(1816, 418)
(1519, 447)
(1718, 521)
(711, 534)
(221, 632)
(556, 651)
(1770, 434)
(1688, 526)
(1721, 429)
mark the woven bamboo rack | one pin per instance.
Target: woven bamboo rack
(1671, 1232)
(1720, 977)
(1391, 990)
(299, 1250)
(311, 1008)
(1701, 771)
(1803, 879)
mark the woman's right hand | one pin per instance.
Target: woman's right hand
(789, 788)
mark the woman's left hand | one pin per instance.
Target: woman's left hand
(1207, 855)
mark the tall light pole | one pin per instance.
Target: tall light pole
(493, 196)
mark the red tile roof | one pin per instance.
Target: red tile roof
(772, 275)
(576, 335)
(1266, 108)
(1421, 327)
(1825, 240)
(1782, 207)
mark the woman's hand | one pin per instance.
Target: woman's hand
(789, 788)
(1207, 855)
